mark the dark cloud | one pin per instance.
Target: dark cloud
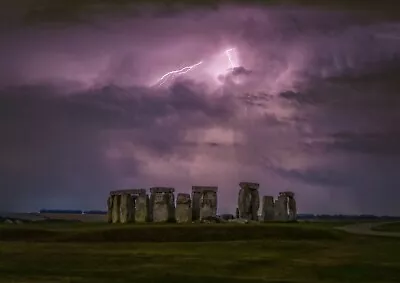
(386, 143)
(240, 71)
(55, 145)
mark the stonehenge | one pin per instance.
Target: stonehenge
(137, 206)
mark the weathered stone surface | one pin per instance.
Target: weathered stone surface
(183, 210)
(121, 206)
(116, 206)
(268, 212)
(162, 204)
(201, 189)
(196, 196)
(249, 200)
(291, 205)
(141, 208)
(109, 209)
(288, 194)
(281, 208)
(200, 202)
(249, 185)
(129, 191)
(208, 204)
(292, 209)
(132, 208)
(150, 204)
(162, 190)
(125, 208)
(255, 204)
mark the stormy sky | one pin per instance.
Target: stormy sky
(307, 100)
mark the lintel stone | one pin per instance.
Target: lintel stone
(161, 190)
(129, 191)
(288, 194)
(249, 185)
(201, 189)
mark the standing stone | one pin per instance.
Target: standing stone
(109, 208)
(268, 208)
(208, 201)
(163, 204)
(132, 208)
(255, 204)
(292, 206)
(139, 205)
(125, 213)
(171, 212)
(249, 200)
(141, 208)
(183, 211)
(208, 205)
(204, 202)
(281, 208)
(116, 208)
(122, 204)
(150, 207)
(196, 197)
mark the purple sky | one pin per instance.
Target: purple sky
(312, 107)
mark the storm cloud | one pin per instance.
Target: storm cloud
(308, 102)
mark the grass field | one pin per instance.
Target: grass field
(297, 252)
(389, 227)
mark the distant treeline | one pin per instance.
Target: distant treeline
(341, 216)
(60, 211)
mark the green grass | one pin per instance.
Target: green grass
(297, 252)
(80, 232)
(388, 227)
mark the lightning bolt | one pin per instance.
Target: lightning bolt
(170, 75)
(181, 71)
(228, 53)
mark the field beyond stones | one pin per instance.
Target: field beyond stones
(292, 252)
